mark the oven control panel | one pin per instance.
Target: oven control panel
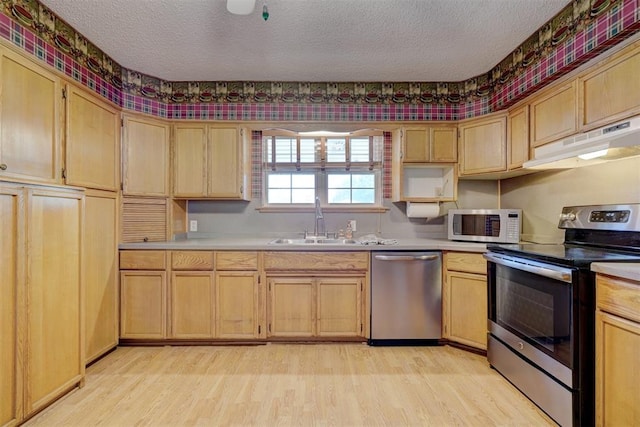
(609, 216)
(601, 217)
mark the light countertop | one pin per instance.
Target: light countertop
(262, 244)
(624, 270)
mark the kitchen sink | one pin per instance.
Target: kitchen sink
(313, 242)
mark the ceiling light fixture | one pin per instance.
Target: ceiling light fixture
(242, 7)
(265, 11)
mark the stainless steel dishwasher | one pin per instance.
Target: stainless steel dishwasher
(406, 298)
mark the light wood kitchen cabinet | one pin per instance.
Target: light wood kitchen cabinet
(483, 145)
(611, 90)
(101, 273)
(211, 162)
(429, 144)
(53, 346)
(143, 294)
(316, 294)
(30, 120)
(517, 137)
(423, 167)
(464, 299)
(12, 303)
(240, 296)
(145, 157)
(554, 114)
(192, 294)
(92, 141)
(617, 349)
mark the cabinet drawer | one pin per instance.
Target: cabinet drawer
(464, 261)
(192, 260)
(236, 260)
(143, 260)
(620, 297)
(321, 261)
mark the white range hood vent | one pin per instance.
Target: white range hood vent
(617, 141)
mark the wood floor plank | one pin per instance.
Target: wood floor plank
(290, 384)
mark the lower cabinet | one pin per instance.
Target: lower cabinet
(292, 307)
(464, 299)
(42, 352)
(617, 349)
(192, 304)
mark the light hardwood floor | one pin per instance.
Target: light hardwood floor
(286, 384)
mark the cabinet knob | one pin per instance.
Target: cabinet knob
(3, 166)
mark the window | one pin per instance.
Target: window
(342, 170)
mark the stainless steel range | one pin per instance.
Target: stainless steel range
(542, 308)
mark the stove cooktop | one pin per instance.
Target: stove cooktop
(566, 254)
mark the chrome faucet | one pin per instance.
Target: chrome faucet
(319, 229)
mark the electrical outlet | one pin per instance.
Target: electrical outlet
(193, 225)
(353, 224)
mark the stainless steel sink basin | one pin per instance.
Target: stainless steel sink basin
(313, 242)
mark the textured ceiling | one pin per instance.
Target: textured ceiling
(308, 40)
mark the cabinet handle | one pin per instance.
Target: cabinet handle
(3, 166)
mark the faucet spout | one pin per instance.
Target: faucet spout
(319, 228)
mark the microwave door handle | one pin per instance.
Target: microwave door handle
(557, 273)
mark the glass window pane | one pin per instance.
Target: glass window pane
(279, 180)
(339, 195)
(360, 149)
(303, 195)
(336, 150)
(363, 196)
(339, 180)
(307, 150)
(303, 181)
(279, 196)
(364, 180)
(285, 150)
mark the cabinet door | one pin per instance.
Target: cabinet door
(617, 373)
(465, 309)
(143, 304)
(518, 137)
(554, 114)
(189, 161)
(54, 347)
(92, 143)
(237, 304)
(612, 91)
(292, 307)
(483, 146)
(416, 145)
(101, 273)
(145, 157)
(192, 305)
(225, 167)
(443, 145)
(31, 100)
(340, 306)
(11, 245)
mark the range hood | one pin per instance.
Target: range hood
(617, 141)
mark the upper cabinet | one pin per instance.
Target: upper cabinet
(30, 120)
(145, 157)
(517, 137)
(429, 144)
(211, 162)
(483, 145)
(423, 164)
(554, 114)
(92, 142)
(611, 91)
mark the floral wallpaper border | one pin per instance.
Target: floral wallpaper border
(580, 31)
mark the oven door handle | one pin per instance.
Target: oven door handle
(552, 272)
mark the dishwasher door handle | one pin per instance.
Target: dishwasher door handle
(406, 257)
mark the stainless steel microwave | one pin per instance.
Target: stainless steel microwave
(485, 225)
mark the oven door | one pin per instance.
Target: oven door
(531, 311)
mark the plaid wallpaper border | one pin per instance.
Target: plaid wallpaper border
(618, 23)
